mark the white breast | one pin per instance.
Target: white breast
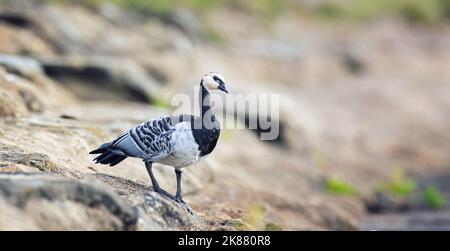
(185, 150)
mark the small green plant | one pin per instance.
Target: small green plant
(159, 102)
(254, 217)
(273, 227)
(434, 198)
(400, 185)
(425, 11)
(337, 186)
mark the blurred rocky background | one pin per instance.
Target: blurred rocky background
(364, 113)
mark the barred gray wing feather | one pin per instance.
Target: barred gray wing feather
(125, 144)
(149, 140)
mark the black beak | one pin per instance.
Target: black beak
(222, 87)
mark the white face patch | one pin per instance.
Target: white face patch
(210, 83)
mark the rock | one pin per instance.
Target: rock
(51, 203)
(155, 211)
(10, 103)
(17, 96)
(273, 129)
(21, 65)
(117, 77)
(16, 40)
(187, 21)
(24, 87)
(15, 20)
(383, 202)
(77, 30)
(409, 221)
(43, 134)
(352, 60)
(19, 152)
(73, 31)
(44, 202)
(14, 155)
(346, 109)
(171, 214)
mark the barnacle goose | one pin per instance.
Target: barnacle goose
(177, 141)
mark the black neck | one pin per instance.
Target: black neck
(205, 103)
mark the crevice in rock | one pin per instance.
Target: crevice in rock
(93, 78)
(279, 141)
(15, 20)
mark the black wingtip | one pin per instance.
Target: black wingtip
(110, 158)
(101, 149)
(96, 151)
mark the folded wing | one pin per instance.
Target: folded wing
(150, 141)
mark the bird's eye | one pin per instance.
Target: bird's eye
(218, 80)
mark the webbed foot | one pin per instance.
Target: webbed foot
(180, 200)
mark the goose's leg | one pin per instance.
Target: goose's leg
(179, 195)
(155, 184)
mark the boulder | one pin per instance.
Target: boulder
(24, 87)
(45, 202)
(50, 203)
(18, 96)
(115, 77)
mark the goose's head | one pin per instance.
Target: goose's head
(214, 81)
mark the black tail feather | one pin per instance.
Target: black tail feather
(108, 157)
(117, 160)
(104, 157)
(103, 148)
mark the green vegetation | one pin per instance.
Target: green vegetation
(155, 7)
(426, 11)
(164, 7)
(255, 219)
(263, 8)
(39, 161)
(400, 185)
(434, 198)
(337, 186)
(273, 227)
(160, 102)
